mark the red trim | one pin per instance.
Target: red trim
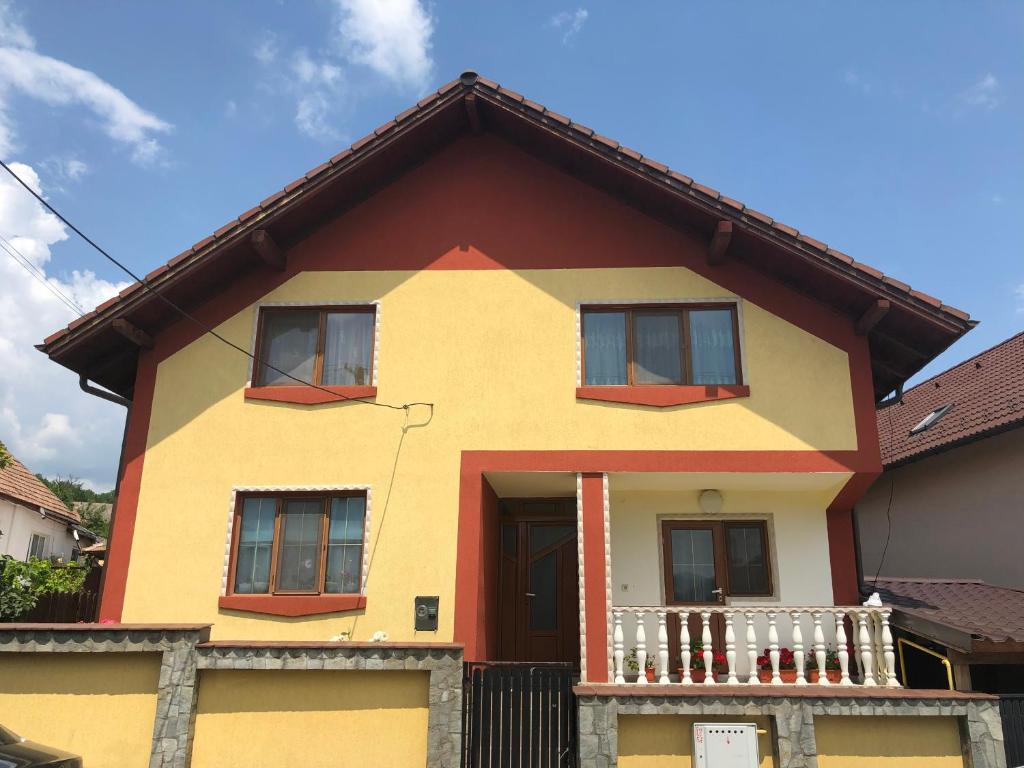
(307, 395)
(291, 605)
(594, 587)
(842, 550)
(663, 395)
(119, 549)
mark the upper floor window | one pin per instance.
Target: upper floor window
(660, 344)
(299, 544)
(328, 346)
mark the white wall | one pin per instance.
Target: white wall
(18, 523)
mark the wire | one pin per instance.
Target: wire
(888, 508)
(196, 321)
(23, 261)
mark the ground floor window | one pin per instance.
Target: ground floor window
(37, 545)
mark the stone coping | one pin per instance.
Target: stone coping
(82, 626)
(777, 691)
(327, 644)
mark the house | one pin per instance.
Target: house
(490, 388)
(34, 522)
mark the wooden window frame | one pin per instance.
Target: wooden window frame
(686, 363)
(293, 602)
(324, 309)
(720, 541)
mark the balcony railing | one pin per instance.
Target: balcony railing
(861, 635)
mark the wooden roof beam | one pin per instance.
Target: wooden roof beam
(268, 250)
(473, 113)
(719, 247)
(872, 316)
(131, 332)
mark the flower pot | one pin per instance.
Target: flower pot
(787, 675)
(834, 676)
(650, 674)
(696, 675)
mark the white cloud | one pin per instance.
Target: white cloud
(230, 108)
(11, 31)
(266, 49)
(569, 23)
(984, 94)
(391, 37)
(44, 419)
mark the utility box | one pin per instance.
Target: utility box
(425, 614)
(725, 745)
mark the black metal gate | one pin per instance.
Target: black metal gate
(1011, 710)
(520, 715)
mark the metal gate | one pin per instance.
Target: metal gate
(518, 715)
(1011, 710)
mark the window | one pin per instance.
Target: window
(705, 561)
(660, 344)
(37, 546)
(328, 346)
(930, 419)
(299, 544)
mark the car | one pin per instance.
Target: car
(16, 752)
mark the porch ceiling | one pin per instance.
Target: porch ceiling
(532, 485)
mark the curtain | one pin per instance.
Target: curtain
(711, 345)
(298, 566)
(255, 544)
(348, 350)
(289, 344)
(345, 545)
(656, 348)
(604, 348)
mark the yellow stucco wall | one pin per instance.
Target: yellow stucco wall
(893, 742)
(337, 719)
(99, 706)
(495, 350)
(666, 741)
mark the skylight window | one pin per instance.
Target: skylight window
(930, 419)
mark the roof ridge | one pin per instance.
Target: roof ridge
(965, 361)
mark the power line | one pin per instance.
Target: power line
(196, 321)
(34, 272)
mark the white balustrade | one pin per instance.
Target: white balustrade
(759, 632)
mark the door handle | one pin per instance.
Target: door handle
(530, 594)
(721, 594)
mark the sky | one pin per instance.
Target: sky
(892, 131)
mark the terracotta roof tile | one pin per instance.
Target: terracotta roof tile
(18, 483)
(605, 140)
(222, 231)
(489, 83)
(867, 270)
(448, 86)
(384, 128)
(897, 284)
(130, 288)
(180, 257)
(925, 298)
(713, 193)
(249, 214)
(109, 302)
(318, 170)
(160, 270)
(269, 201)
(400, 117)
(762, 217)
(292, 186)
(659, 167)
(557, 117)
(731, 203)
(583, 129)
(681, 177)
(345, 153)
(813, 243)
(631, 153)
(840, 255)
(511, 94)
(986, 391)
(56, 335)
(954, 311)
(791, 231)
(430, 98)
(987, 612)
(533, 105)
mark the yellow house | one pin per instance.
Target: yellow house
(491, 438)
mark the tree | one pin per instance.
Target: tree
(5, 456)
(22, 584)
(96, 518)
(70, 489)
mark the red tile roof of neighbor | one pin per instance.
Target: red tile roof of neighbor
(916, 319)
(973, 607)
(17, 483)
(987, 395)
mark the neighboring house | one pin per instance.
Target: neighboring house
(624, 412)
(34, 522)
(949, 504)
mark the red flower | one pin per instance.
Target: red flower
(763, 662)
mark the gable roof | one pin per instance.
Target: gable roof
(986, 393)
(17, 483)
(906, 328)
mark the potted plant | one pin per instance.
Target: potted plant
(832, 672)
(787, 666)
(633, 664)
(698, 672)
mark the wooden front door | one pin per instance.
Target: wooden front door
(538, 590)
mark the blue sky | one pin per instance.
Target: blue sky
(894, 132)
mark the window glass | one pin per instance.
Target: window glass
(543, 586)
(693, 565)
(748, 566)
(255, 545)
(37, 546)
(656, 354)
(298, 567)
(712, 354)
(604, 348)
(348, 349)
(289, 344)
(543, 536)
(345, 545)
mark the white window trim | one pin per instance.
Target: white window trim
(322, 489)
(735, 301)
(46, 544)
(259, 306)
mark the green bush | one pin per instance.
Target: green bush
(22, 584)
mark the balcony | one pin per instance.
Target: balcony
(751, 645)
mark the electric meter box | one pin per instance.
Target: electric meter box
(725, 745)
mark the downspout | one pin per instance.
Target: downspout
(83, 383)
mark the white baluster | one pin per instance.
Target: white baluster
(684, 646)
(617, 645)
(773, 648)
(842, 649)
(641, 648)
(752, 651)
(709, 655)
(819, 649)
(890, 657)
(662, 649)
(730, 649)
(798, 647)
(866, 657)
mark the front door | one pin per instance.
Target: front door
(538, 589)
